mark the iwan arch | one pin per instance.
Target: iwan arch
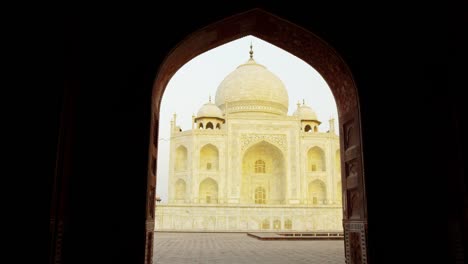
(322, 57)
(247, 165)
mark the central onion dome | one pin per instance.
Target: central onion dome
(252, 88)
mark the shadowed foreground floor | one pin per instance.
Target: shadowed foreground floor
(236, 248)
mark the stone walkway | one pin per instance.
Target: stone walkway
(236, 248)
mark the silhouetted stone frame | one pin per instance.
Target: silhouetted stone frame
(323, 58)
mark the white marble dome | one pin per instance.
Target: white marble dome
(209, 110)
(252, 88)
(305, 112)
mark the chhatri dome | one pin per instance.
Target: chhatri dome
(209, 110)
(305, 112)
(252, 88)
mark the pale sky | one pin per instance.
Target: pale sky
(194, 82)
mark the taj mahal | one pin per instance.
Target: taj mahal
(246, 165)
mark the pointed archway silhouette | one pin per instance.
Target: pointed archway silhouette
(323, 58)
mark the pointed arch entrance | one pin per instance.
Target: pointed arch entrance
(323, 58)
(263, 175)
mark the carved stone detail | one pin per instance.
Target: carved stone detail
(149, 248)
(356, 252)
(255, 105)
(351, 181)
(349, 134)
(355, 243)
(354, 203)
(149, 225)
(351, 168)
(248, 140)
(59, 242)
(151, 201)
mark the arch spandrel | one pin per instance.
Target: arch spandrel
(249, 140)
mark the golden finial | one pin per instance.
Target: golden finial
(251, 51)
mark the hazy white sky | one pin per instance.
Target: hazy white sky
(192, 84)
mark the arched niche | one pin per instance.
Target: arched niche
(180, 190)
(317, 192)
(208, 192)
(209, 158)
(181, 159)
(316, 159)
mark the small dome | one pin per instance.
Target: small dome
(304, 112)
(209, 110)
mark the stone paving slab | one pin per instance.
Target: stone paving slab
(238, 248)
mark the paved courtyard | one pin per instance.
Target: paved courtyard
(236, 248)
